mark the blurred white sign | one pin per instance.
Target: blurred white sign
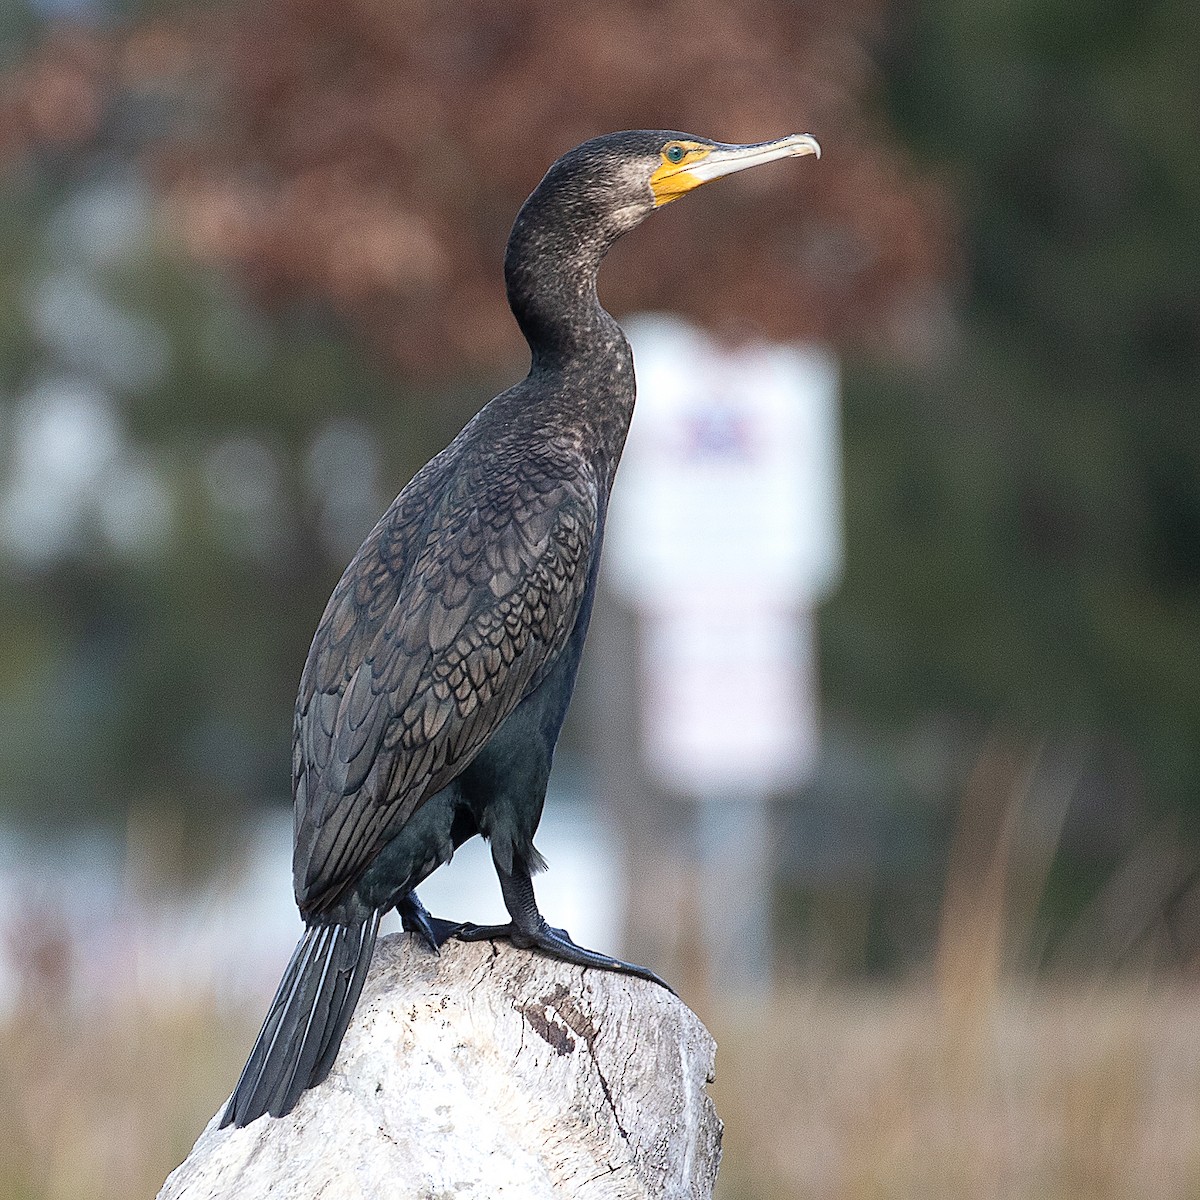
(725, 532)
(731, 474)
(729, 697)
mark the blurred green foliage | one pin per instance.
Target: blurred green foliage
(1024, 515)
(165, 672)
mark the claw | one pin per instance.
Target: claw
(415, 919)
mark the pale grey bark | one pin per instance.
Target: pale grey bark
(486, 1073)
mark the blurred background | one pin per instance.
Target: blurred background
(250, 280)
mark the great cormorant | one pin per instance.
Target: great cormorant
(441, 670)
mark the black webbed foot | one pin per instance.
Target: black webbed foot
(415, 918)
(528, 929)
(468, 931)
(557, 943)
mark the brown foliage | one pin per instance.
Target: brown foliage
(373, 153)
(56, 97)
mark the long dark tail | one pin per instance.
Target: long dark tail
(308, 1017)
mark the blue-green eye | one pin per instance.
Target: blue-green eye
(674, 154)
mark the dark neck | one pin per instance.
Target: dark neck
(550, 269)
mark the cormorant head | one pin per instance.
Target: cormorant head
(591, 196)
(620, 178)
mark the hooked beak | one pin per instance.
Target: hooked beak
(670, 183)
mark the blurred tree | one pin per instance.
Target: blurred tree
(372, 156)
(1024, 518)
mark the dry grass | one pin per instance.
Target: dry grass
(102, 1105)
(826, 1093)
(1047, 1095)
(965, 1087)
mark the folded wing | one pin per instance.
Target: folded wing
(457, 603)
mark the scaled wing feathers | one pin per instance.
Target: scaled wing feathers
(463, 594)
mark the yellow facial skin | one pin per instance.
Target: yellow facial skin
(684, 165)
(671, 178)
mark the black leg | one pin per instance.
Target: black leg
(528, 930)
(415, 918)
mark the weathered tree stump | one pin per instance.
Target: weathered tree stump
(481, 1073)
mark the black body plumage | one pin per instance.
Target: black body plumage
(441, 670)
